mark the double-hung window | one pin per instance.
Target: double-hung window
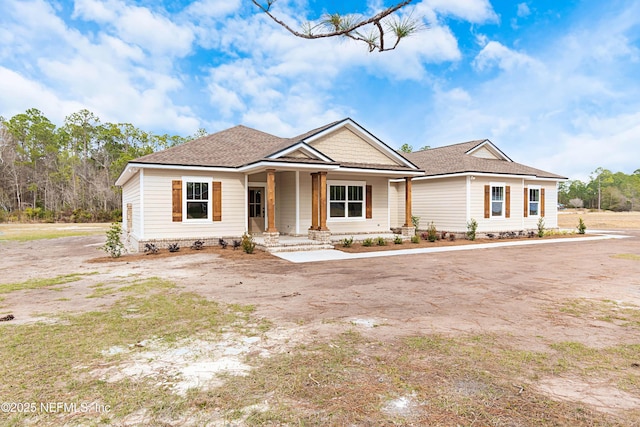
(534, 201)
(346, 199)
(497, 200)
(197, 199)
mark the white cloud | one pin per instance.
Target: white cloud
(523, 10)
(496, 54)
(476, 11)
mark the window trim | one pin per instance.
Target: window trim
(529, 188)
(346, 184)
(493, 185)
(201, 180)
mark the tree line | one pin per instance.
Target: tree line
(605, 190)
(68, 173)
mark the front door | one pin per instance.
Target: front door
(256, 209)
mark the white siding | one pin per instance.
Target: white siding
(514, 222)
(550, 205)
(158, 209)
(379, 223)
(286, 202)
(442, 201)
(131, 194)
(396, 204)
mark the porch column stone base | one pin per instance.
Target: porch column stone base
(323, 236)
(271, 238)
(408, 231)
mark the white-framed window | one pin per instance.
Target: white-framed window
(497, 200)
(197, 199)
(346, 200)
(534, 201)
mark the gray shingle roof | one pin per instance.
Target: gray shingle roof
(240, 146)
(233, 147)
(453, 159)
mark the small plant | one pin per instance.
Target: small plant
(452, 237)
(472, 227)
(397, 240)
(367, 242)
(424, 235)
(248, 245)
(443, 235)
(151, 248)
(197, 245)
(380, 241)
(582, 228)
(415, 220)
(173, 247)
(347, 242)
(432, 233)
(415, 239)
(223, 243)
(541, 227)
(236, 244)
(114, 246)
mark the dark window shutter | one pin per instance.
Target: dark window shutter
(507, 202)
(369, 202)
(217, 201)
(542, 202)
(176, 200)
(526, 202)
(487, 201)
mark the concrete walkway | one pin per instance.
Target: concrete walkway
(335, 255)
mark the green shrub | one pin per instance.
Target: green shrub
(114, 246)
(347, 242)
(248, 245)
(380, 241)
(582, 228)
(541, 227)
(415, 220)
(397, 240)
(367, 242)
(432, 233)
(415, 239)
(472, 226)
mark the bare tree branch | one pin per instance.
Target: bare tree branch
(336, 25)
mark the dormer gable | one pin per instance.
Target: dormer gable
(486, 150)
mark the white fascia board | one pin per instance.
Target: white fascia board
(379, 172)
(484, 174)
(140, 166)
(495, 150)
(284, 166)
(364, 134)
(304, 148)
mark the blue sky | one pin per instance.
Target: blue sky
(554, 84)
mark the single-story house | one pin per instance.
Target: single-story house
(476, 180)
(334, 179)
(337, 179)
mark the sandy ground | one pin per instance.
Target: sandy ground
(512, 292)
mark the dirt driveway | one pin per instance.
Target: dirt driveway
(524, 295)
(500, 290)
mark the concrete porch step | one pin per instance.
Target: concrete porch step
(296, 247)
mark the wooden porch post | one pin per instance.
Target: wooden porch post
(407, 202)
(314, 201)
(323, 201)
(271, 201)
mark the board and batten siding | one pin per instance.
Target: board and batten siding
(305, 202)
(286, 202)
(158, 222)
(131, 194)
(396, 204)
(379, 221)
(441, 201)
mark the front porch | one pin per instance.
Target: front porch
(287, 243)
